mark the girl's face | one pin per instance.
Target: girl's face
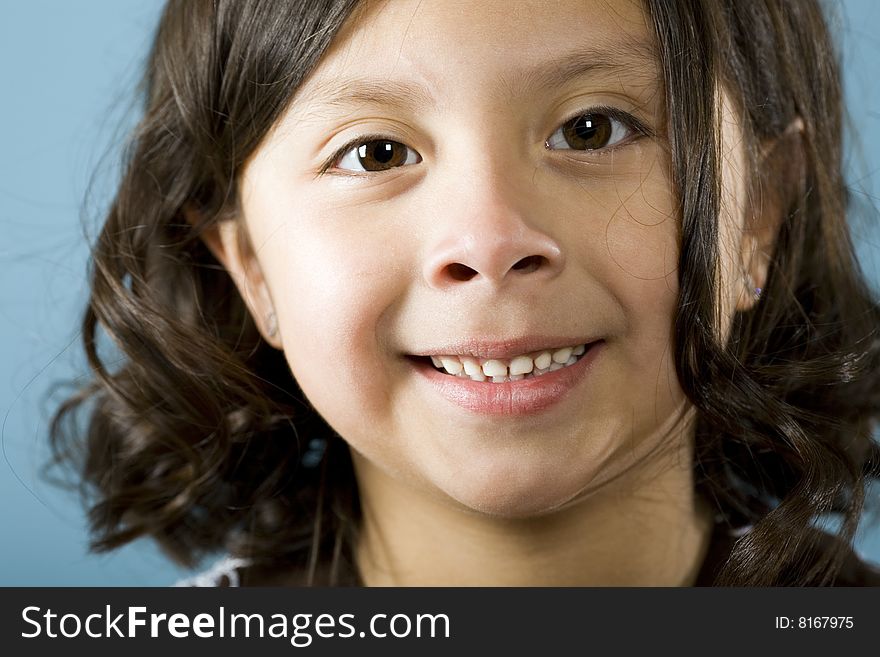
(478, 181)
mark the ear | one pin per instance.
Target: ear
(228, 241)
(778, 186)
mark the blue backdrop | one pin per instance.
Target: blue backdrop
(68, 72)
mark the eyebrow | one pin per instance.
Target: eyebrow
(625, 56)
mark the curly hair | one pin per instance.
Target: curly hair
(197, 431)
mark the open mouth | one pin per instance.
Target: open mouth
(518, 368)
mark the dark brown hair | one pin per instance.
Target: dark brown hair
(199, 437)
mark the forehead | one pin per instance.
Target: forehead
(435, 47)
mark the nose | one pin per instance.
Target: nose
(488, 236)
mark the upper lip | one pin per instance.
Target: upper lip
(504, 348)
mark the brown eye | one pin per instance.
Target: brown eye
(588, 132)
(377, 155)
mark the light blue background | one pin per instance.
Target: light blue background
(68, 70)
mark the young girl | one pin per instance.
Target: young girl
(485, 293)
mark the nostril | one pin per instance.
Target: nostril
(460, 272)
(530, 263)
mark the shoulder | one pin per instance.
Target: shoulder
(239, 572)
(224, 573)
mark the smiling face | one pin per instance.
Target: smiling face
(478, 183)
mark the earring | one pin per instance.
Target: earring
(750, 285)
(271, 324)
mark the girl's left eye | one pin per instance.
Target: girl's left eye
(589, 132)
(376, 155)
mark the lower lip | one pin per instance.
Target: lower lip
(524, 397)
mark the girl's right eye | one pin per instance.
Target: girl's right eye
(376, 155)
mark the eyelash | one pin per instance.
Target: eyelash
(634, 125)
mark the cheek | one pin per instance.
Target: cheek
(335, 288)
(641, 235)
(646, 252)
(641, 271)
(640, 253)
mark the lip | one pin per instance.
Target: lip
(513, 398)
(503, 349)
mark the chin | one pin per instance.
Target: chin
(518, 496)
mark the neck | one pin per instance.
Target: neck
(640, 530)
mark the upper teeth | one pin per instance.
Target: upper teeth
(513, 369)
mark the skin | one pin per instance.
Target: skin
(363, 269)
